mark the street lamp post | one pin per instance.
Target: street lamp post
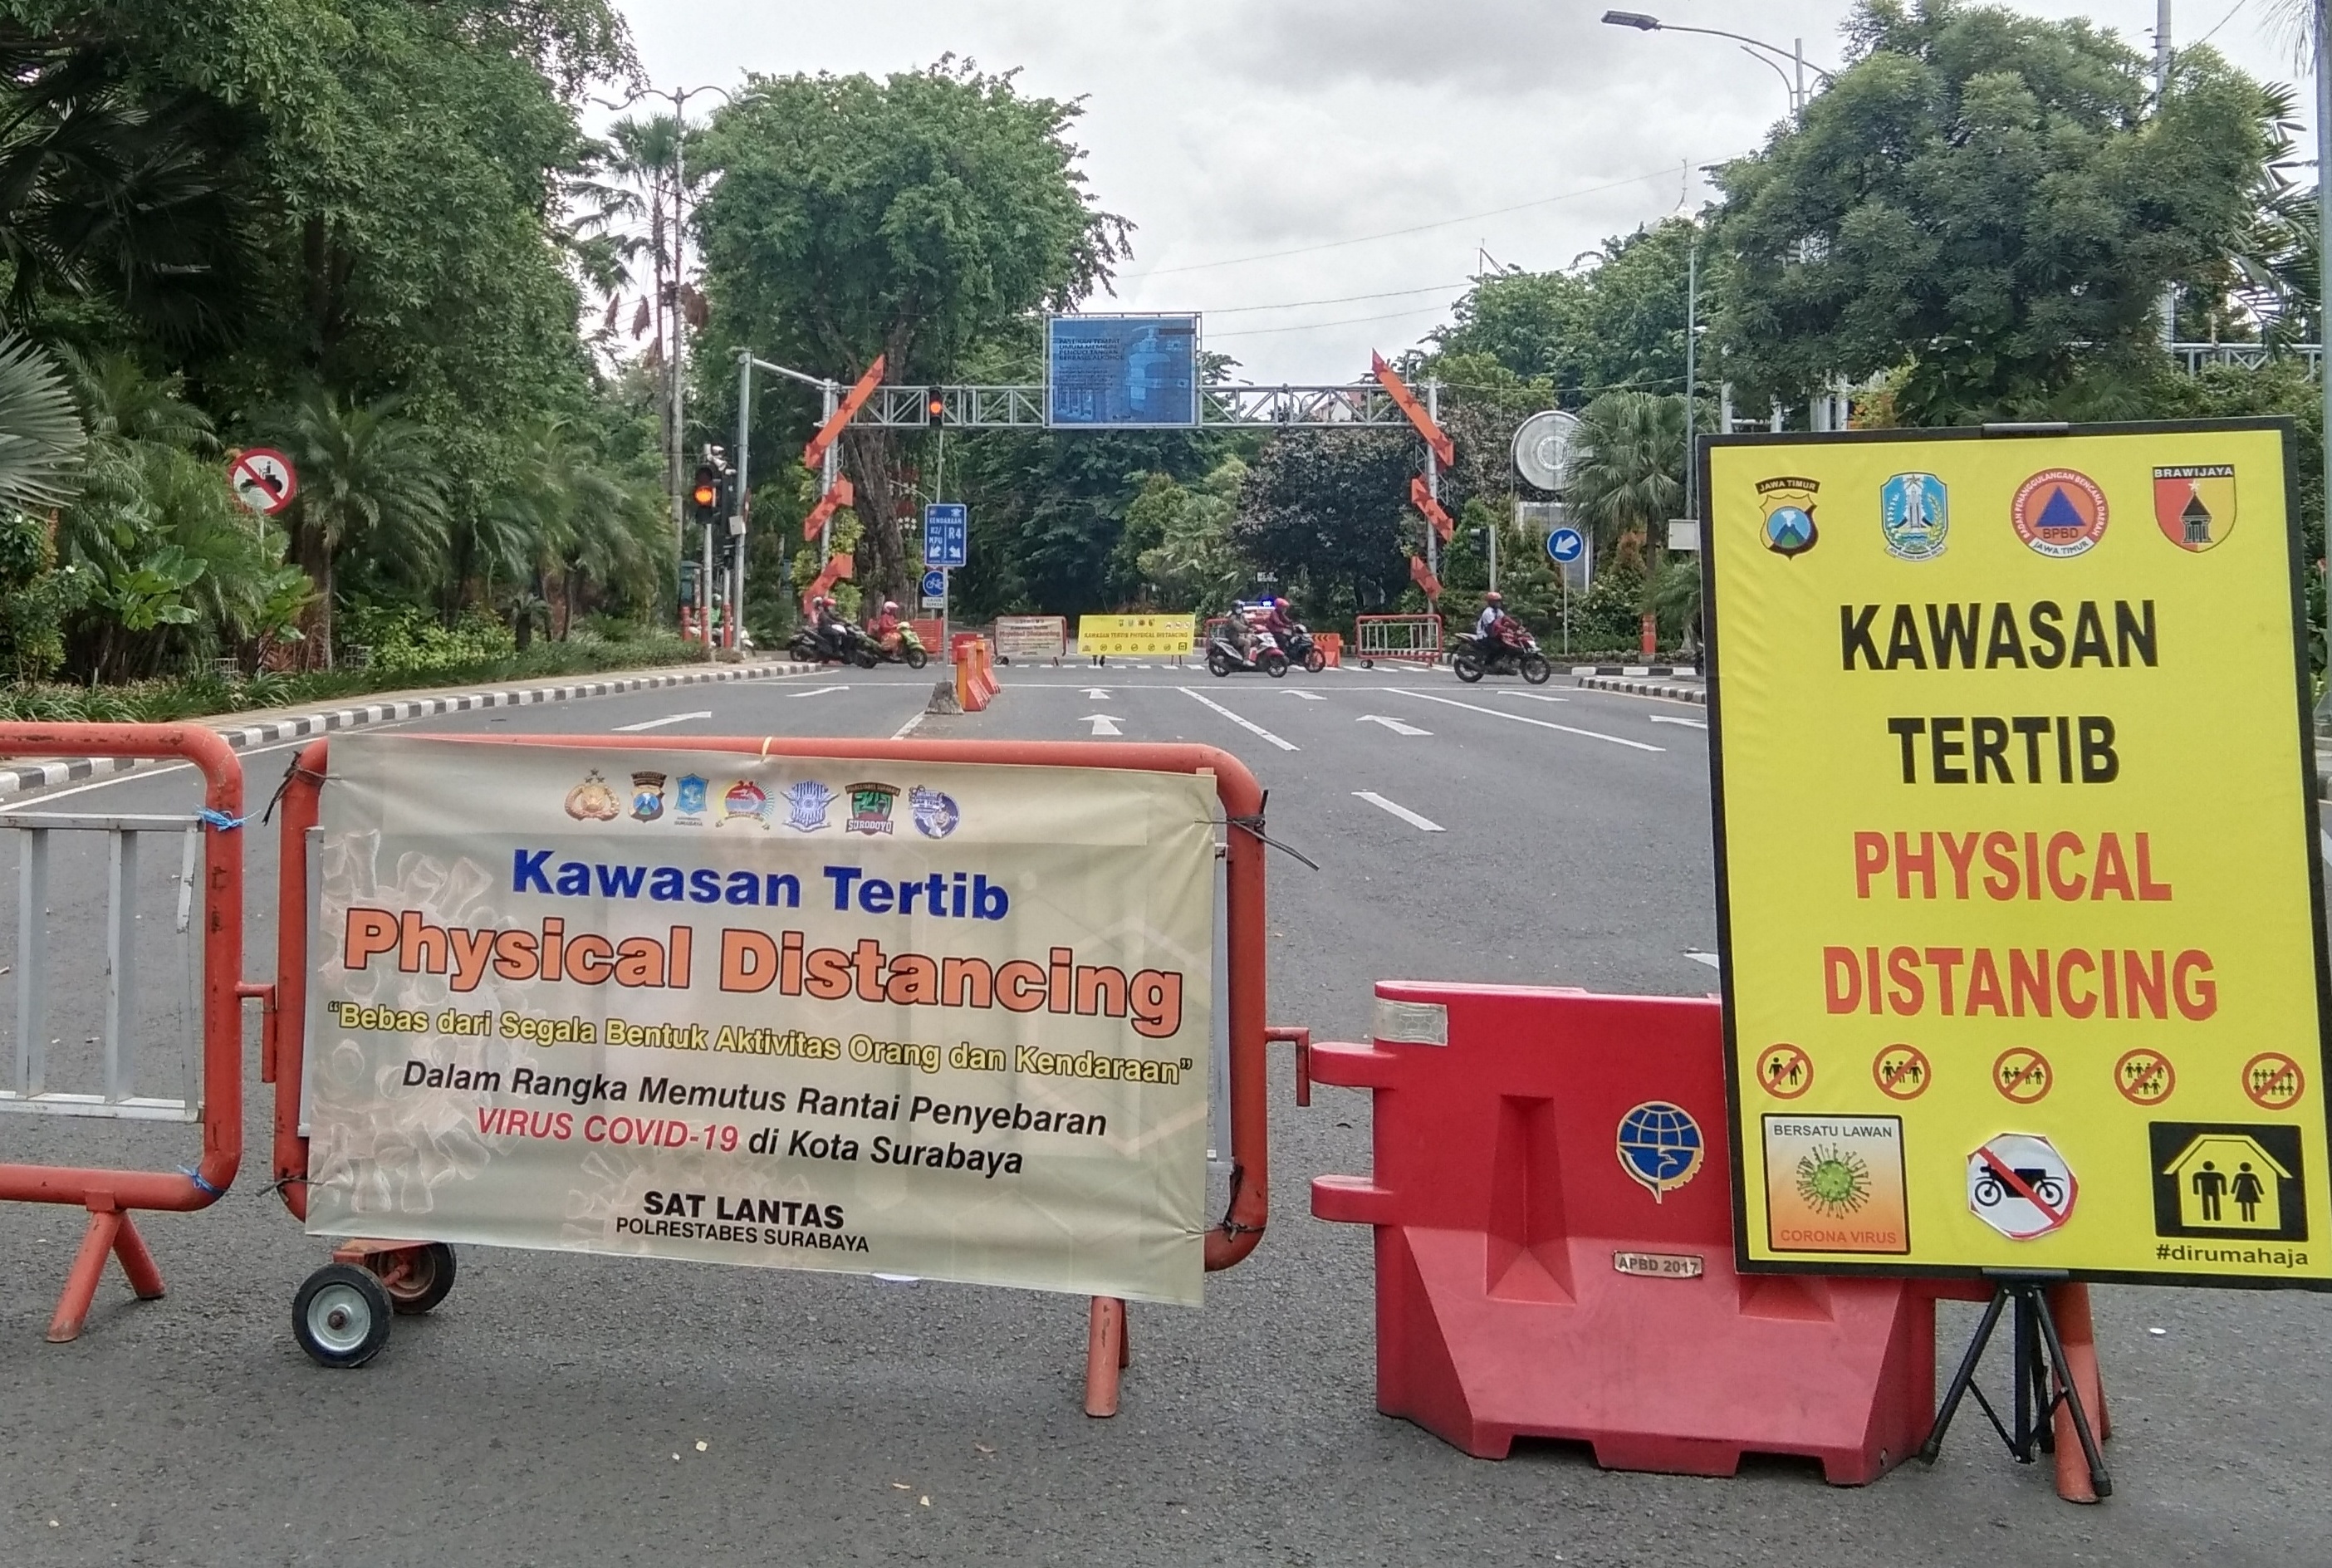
(675, 393)
(1796, 55)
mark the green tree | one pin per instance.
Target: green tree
(1194, 565)
(912, 217)
(1327, 512)
(1615, 319)
(1989, 199)
(40, 435)
(1627, 473)
(369, 487)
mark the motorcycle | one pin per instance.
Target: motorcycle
(1472, 659)
(1302, 650)
(908, 650)
(844, 643)
(1225, 655)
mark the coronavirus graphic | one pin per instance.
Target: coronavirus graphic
(1834, 1182)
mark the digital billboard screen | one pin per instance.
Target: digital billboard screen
(1121, 371)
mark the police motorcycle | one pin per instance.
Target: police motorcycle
(1262, 652)
(1476, 657)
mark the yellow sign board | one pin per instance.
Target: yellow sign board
(2020, 898)
(1137, 636)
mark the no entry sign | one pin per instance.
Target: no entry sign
(263, 479)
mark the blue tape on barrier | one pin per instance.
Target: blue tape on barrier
(195, 1176)
(220, 819)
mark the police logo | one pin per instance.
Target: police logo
(689, 799)
(806, 806)
(592, 800)
(647, 796)
(935, 813)
(1788, 504)
(1913, 516)
(744, 801)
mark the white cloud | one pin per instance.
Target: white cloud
(1233, 129)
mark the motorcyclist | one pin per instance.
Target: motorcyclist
(1241, 631)
(827, 623)
(886, 626)
(1278, 619)
(1492, 627)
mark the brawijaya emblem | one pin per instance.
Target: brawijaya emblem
(1913, 516)
(1788, 504)
(2195, 505)
(806, 806)
(592, 800)
(647, 796)
(935, 813)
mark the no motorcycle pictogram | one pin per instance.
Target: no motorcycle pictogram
(263, 479)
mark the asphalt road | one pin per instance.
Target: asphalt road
(563, 1410)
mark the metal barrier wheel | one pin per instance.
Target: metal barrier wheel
(415, 1278)
(341, 1315)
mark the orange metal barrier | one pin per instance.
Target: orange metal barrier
(1239, 1231)
(110, 1195)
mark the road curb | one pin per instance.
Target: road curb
(1646, 688)
(21, 780)
(1637, 671)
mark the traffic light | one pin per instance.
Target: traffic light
(935, 405)
(1479, 538)
(704, 495)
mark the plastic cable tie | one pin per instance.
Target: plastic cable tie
(195, 1176)
(1254, 825)
(220, 819)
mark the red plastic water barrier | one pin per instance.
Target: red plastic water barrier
(1531, 1281)
(110, 1195)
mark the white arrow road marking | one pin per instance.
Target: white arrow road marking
(821, 690)
(1095, 694)
(1534, 696)
(1103, 724)
(1425, 824)
(1520, 719)
(1298, 692)
(660, 723)
(1710, 959)
(2326, 835)
(1248, 725)
(1395, 725)
(1672, 719)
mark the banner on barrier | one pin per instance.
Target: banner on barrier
(937, 1020)
(2020, 896)
(1031, 637)
(1138, 636)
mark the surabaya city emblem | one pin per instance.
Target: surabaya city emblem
(1788, 504)
(689, 797)
(2195, 505)
(1913, 516)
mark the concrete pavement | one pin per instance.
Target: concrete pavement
(552, 1410)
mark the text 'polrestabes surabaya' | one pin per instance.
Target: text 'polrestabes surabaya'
(753, 961)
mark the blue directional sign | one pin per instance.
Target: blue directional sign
(947, 533)
(1127, 372)
(934, 583)
(1565, 545)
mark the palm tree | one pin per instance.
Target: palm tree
(41, 435)
(368, 483)
(1627, 470)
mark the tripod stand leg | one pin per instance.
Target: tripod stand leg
(1962, 1379)
(2100, 1481)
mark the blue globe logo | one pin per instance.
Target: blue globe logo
(1660, 1146)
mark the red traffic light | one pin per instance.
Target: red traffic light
(935, 406)
(704, 495)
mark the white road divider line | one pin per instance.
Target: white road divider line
(1524, 719)
(1671, 719)
(1534, 696)
(660, 723)
(1395, 725)
(910, 726)
(1423, 824)
(821, 690)
(1307, 697)
(1248, 725)
(1103, 724)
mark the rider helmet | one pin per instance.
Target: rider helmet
(1494, 597)
(890, 604)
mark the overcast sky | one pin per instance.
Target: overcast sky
(1261, 146)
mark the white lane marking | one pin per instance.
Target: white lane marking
(1426, 824)
(1710, 959)
(910, 726)
(1395, 725)
(1095, 694)
(821, 690)
(1307, 697)
(1248, 725)
(1534, 696)
(1521, 719)
(660, 723)
(1672, 719)
(140, 774)
(1103, 724)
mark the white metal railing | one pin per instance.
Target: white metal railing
(27, 1088)
(2194, 357)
